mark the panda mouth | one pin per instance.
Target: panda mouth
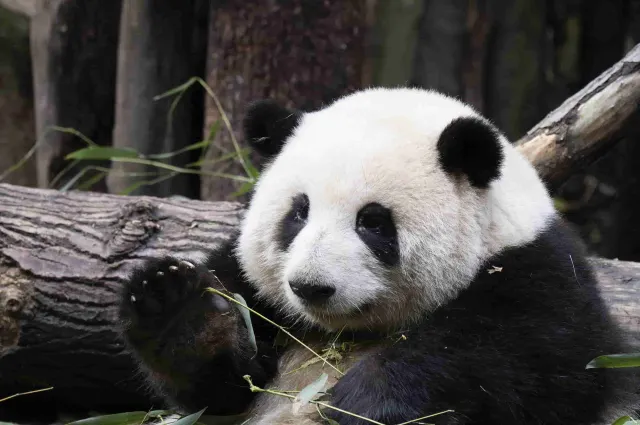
(324, 311)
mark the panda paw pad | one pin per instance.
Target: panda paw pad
(162, 288)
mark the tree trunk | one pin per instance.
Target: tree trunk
(514, 63)
(487, 53)
(439, 57)
(322, 58)
(16, 120)
(63, 258)
(73, 47)
(603, 196)
(160, 49)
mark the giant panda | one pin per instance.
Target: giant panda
(401, 229)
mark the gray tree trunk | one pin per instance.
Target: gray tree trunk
(73, 48)
(161, 47)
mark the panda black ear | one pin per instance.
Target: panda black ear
(471, 147)
(267, 126)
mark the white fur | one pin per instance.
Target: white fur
(379, 145)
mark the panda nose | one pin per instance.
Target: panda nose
(312, 292)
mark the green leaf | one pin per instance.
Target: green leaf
(247, 320)
(222, 420)
(244, 188)
(191, 419)
(93, 180)
(214, 130)
(191, 147)
(127, 190)
(156, 413)
(309, 392)
(103, 152)
(177, 90)
(625, 420)
(128, 418)
(561, 204)
(225, 157)
(615, 361)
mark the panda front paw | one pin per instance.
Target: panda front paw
(169, 293)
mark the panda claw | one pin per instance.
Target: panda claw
(133, 298)
(160, 274)
(173, 268)
(187, 264)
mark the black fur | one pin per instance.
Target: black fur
(376, 228)
(268, 125)
(510, 349)
(294, 221)
(471, 147)
(194, 343)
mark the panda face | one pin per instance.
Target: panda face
(377, 209)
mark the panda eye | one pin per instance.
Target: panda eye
(301, 208)
(376, 219)
(376, 228)
(294, 221)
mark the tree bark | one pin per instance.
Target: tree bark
(73, 48)
(160, 48)
(322, 58)
(603, 196)
(63, 258)
(439, 57)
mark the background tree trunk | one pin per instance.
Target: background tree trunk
(73, 46)
(303, 54)
(63, 258)
(606, 191)
(162, 45)
(16, 99)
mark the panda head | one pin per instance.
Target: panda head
(373, 211)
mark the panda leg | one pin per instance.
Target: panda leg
(192, 344)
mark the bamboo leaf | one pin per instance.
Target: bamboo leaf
(309, 392)
(615, 361)
(244, 188)
(191, 419)
(176, 90)
(102, 152)
(247, 320)
(191, 147)
(128, 418)
(625, 420)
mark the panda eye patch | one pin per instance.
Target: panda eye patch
(376, 228)
(294, 221)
